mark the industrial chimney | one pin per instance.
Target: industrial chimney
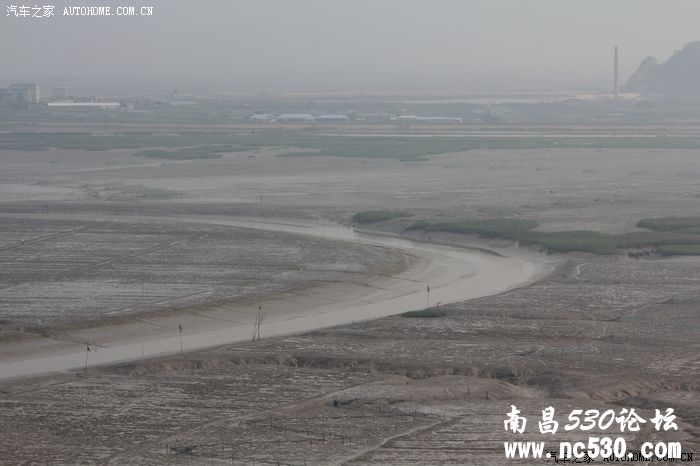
(615, 92)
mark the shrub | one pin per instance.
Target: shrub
(430, 313)
(374, 216)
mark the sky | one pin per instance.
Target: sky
(258, 45)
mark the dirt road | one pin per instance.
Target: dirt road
(438, 275)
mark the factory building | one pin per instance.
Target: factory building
(86, 105)
(6, 97)
(60, 93)
(27, 92)
(295, 118)
(376, 118)
(261, 118)
(331, 119)
(434, 120)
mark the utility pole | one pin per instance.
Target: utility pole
(87, 350)
(180, 327)
(427, 295)
(256, 327)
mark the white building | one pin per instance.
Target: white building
(60, 93)
(261, 118)
(29, 92)
(295, 118)
(429, 120)
(86, 105)
(331, 119)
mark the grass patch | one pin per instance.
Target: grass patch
(374, 216)
(181, 154)
(189, 153)
(298, 154)
(425, 313)
(495, 228)
(419, 225)
(671, 224)
(571, 241)
(403, 148)
(568, 241)
(681, 250)
(641, 239)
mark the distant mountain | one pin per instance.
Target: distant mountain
(678, 76)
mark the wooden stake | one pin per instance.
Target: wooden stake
(87, 350)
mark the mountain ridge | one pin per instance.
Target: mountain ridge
(677, 76)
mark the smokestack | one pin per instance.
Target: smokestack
(615, 91)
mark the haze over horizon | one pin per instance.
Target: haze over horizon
(477, 45)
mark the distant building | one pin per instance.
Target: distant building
(60, 93)
(295, 118)
(6, 97)
(28, 92)
(407, 119)
(261, 118)
(182, 103)
(376, 117)
(331, 119)
(86, 105)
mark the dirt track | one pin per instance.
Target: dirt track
(453, 274)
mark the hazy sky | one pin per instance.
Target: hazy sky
(230, 45)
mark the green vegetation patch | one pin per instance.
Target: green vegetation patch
(374, 216)
(566, 241)
(431, 313)
(417, 149)
(311, 143)
(188, 153)
(509, 228)
(217, 142)
(641, 239)
(570, 241)
(681, 250)
(298, 154)
(671, 224)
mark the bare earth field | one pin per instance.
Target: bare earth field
(80, 248)
(58, 272)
